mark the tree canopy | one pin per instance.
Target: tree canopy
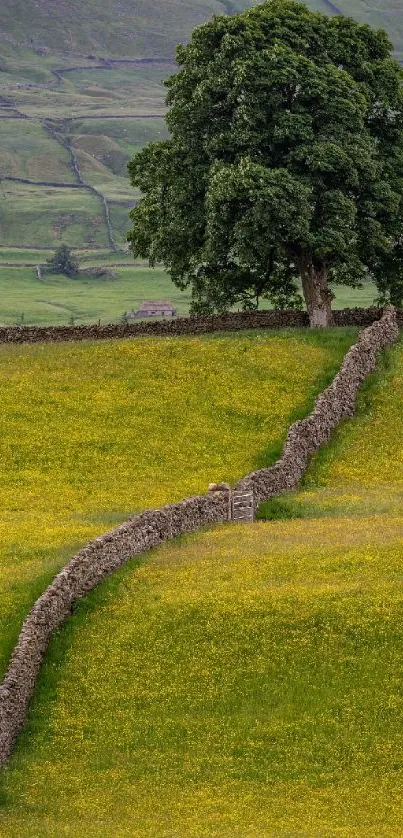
(284, 163)
(63, 262)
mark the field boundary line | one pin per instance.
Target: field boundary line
(104, 555)
(192, 325)
(337, 402)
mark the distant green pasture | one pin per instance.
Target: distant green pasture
(120, 91)
(35, 215)
(130, 134)
(121, 222)
(104, 148)
(58, 300)
(27, 151)
(24, 298)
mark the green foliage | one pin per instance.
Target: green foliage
(31, 153)
(63, 262)
(56, 299)
(285, 160)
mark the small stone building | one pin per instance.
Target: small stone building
(153, 308)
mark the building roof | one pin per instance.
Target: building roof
(156, 305)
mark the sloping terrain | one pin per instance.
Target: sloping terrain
(381, 14)
(96, 68)
(242, 682)
(362, 472)
(90, 433)
(32, 154)
(128, 28)
(65, 215)
(131, 28)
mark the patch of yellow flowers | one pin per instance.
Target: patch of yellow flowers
(243, 682)
(92, 432)
(363, 473)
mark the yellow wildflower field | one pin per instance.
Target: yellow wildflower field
(92, 432)
(242, 682)
(362, 472)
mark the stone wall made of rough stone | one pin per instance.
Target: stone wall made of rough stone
(231, 322)
(338, 401)
(141, 533)
(84, 571)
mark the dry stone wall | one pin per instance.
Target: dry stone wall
(105, 554)
(85, 570)
(230, 322)
(337, 402)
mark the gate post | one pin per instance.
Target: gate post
(242, 506)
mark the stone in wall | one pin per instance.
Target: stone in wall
(230, 322)
(338, 401)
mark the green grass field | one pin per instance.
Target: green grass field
(56, 299)
(241, 682)
(47, 216)
(362, 472)
(135, 29)
(119, 91)
(92, 432)
(102, 146)
(130, 135)
(23, 298)
(27, 151)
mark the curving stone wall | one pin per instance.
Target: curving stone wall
(230, 322)
(109, 552)
(338, 401)
(84, 571)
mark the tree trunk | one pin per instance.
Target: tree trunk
(317, 294)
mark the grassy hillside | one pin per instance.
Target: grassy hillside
(32, 154)
(90, 433)
(101, 112)
(246, 681)
(47, 216)
(128, 135)
(100, 26)
(381, 14)
(362, 472)
(134, 30)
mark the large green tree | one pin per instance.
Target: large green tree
(284, 163)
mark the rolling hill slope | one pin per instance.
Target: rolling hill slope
(81, 91)
(128, 28)
(131, 28)
(242, 682)
(91, 433)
